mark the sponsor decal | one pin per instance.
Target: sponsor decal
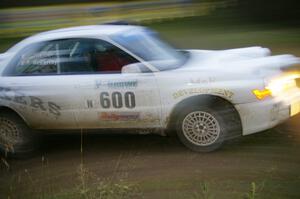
(42, 58)
(192, 91)
(20, 98)
(203, 81)
(49, 58)
(119, 116)
(117, 84)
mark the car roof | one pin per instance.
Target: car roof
(97, 29)
(78, 31)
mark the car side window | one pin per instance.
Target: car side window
(69, 56)
(38, 58)
(76, 56)
(93, 56)
(108, 58)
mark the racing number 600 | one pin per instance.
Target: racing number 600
(116, 100)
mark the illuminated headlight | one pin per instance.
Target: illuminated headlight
(277, 86)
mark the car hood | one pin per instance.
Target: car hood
(243, 60)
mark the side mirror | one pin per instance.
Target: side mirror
(132, 68)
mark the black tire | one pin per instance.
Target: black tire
(16, 138)
(220, 117)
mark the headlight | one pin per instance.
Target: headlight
(277, 86)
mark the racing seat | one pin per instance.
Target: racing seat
(110, 61)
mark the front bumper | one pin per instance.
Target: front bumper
(261, 115)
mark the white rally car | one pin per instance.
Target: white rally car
(125, 77)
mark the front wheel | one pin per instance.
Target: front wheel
(201, 129)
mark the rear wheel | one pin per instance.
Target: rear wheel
(202, 128)
(16, 139)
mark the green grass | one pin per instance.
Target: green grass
(88, 186)
(6, 43)
(210, 34)
(198, 33)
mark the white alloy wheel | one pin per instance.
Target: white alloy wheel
(201, 128)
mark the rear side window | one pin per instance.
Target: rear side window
(39, 58)
(50, 58)
(69, 56)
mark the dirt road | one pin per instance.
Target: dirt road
(161, 167)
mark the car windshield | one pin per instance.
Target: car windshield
(146, 45)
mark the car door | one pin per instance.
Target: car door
(34, 86)
(118, 101)
(111, 99)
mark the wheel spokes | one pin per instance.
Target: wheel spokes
(201, 128)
